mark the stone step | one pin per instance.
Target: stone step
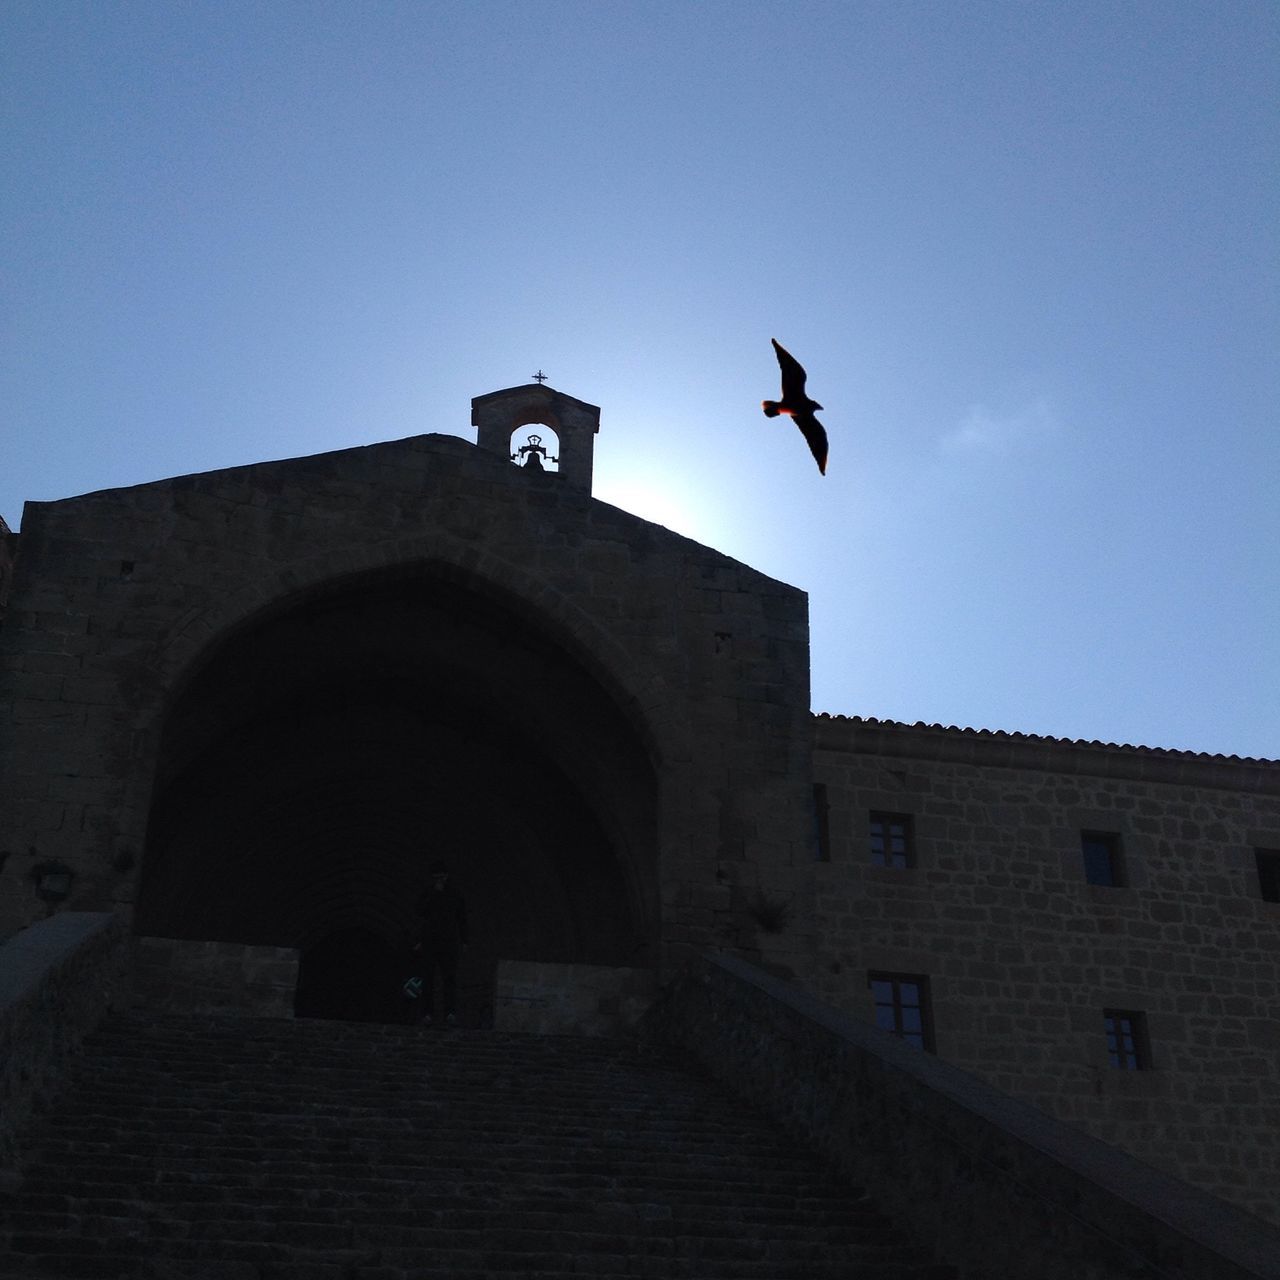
(355, 1134)
(424, 1192)
(257, 1262)
(453, 1266)
(560, 1168)
(36, 1233)
(223, 1149)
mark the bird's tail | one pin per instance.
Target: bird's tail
(771, 408)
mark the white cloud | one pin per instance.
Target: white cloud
(983, 431)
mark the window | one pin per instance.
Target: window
(891, 844)
(1102, 861)
(1268, 873)
(902, 1006)
(821, 823)
(1127, 1039)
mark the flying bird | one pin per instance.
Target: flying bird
(797, 405)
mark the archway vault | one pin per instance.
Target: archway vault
(196, 637)
(330, 748)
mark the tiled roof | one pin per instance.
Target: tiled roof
(1001, 735)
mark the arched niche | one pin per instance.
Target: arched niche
(326, 753)
(535, 447)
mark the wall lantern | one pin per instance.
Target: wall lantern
(53, 882)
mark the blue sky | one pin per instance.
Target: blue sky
(1027, 251)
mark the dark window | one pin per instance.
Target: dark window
(1127, 1039)
(902, 1006)
(891, 840)
(1102, 861)
(1269, 873)
(821, 823)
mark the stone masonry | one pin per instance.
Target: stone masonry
(8, 540)
(1023, 956)
(122, 599)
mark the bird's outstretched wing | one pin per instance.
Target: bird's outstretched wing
(793, 375)
(816, 435)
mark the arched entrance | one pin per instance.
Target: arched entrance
(353, 975)
(325, 755)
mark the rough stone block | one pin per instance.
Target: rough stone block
(571, 999)
(186, 976)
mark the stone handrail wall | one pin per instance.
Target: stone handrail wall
(1004, 1190)
(58, 980)
(570, 999)
(180, 975)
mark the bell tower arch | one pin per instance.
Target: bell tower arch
(498, 415)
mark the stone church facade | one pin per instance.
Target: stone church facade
(249, 708)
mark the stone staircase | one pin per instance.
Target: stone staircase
(206, 1148)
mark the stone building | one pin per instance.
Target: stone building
(8, 540)
(1094, 929)
(246, 709)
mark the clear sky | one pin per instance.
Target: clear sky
(1029, 253)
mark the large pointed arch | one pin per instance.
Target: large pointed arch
(329, 732)
(639, 693)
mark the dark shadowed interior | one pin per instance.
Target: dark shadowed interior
(324, 756)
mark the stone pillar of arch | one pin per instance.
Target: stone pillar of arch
(498, 415)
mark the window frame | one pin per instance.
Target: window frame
(1128, 1046)
(1113, 844)
(1267, 862)
(887, 820)
(821, 823)
(922, 1039)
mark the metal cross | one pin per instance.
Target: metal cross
(539, 377)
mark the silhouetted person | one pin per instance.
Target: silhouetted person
(796, 404)
(444, 934)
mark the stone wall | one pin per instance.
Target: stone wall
(564, 999)
(121, 598)
(178, 975)
(8, 544)
(61, 976)
(1001, 1190)
(58, 980)
(1023, 956)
